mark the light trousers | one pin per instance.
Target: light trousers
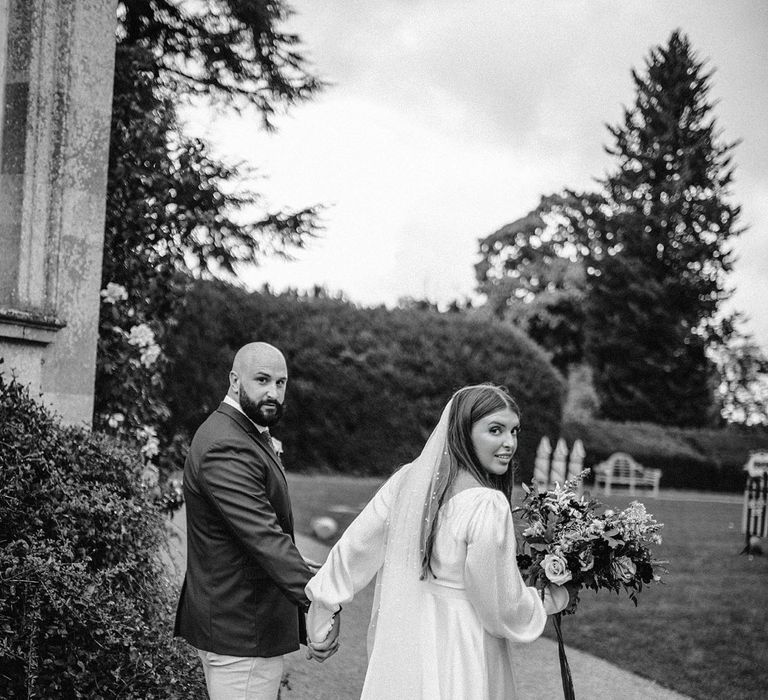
(241, 677)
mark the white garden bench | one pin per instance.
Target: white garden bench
(621, 470)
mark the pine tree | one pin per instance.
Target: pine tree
(651, 306)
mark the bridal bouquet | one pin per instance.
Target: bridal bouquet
(574, 541)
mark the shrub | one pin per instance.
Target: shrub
(726, 449)
(85, 600)
(689, 458)
(366, 384)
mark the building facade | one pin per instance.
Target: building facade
(56, 73)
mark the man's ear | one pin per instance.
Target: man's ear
(234, 383)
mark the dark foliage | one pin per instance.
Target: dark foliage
(366, 385)
(690, 458)
(651, 308)
(630, 278)
(85, 600)
(172, 209)
(533, 274)
(221, 49)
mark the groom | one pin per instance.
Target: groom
(242, 604)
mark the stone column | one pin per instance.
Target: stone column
(56, 73)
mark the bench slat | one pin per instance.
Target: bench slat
(621, 469)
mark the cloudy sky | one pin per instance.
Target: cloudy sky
(446, 119)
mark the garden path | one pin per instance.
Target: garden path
(341, 677)
(538, 669)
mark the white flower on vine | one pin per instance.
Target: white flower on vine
(150, 477)
(149, 354)
(141, 335)
(148, 435)
(113, 293)
(115, 420)
(146, 431)
(151, 448)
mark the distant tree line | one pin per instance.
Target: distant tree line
(366, 385)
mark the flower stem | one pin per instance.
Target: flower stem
(565, 669)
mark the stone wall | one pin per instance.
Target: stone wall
(56, 70)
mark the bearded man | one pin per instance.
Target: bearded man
(242, 604)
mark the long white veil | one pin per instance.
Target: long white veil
(394, 635)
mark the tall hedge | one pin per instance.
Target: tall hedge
(85, 602)
(690, 458)
(366, 385)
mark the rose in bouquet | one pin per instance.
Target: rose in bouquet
(575, 541)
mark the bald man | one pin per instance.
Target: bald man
(242, 604)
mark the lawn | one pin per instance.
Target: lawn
(701, 633)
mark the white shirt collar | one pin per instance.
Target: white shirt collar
(236, 405)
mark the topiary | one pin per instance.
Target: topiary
(85, 600)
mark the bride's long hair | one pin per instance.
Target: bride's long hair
(468, 406)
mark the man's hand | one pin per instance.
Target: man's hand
(321, 651)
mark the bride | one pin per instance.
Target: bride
(449, 598)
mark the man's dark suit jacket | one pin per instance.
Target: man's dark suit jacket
(243, 592)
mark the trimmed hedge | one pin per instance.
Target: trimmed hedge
(366, 385)
(86, 604)
(690, 458)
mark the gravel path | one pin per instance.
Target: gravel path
(341, 677)
(538, 669)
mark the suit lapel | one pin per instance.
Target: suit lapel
(247, 425)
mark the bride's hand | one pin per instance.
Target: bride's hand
(320, 651)
(556, 599)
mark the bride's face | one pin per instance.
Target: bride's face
(494, 438)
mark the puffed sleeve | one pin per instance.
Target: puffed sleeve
(506, 606)
(352, 563)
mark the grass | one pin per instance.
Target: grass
(313, 496)
(701, 633)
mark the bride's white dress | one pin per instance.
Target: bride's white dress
(467, 616)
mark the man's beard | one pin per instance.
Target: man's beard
(254, 409)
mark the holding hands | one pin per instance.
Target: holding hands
(320, 651)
